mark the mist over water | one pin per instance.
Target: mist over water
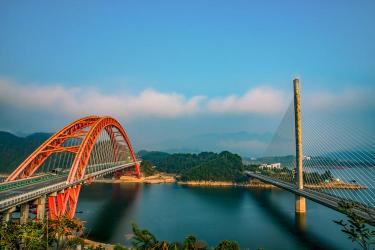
(254, 218)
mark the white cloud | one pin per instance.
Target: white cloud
(148, 103)
(78, 101)
(349, 99)
(260, 100)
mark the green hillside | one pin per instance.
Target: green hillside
(14, 149)
(221, 167)
(203, 166)
(195, 167)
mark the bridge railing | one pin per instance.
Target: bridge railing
(32, 195)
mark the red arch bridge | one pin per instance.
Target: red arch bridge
(50, 179)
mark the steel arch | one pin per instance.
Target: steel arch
(53, 144)
(65, 202)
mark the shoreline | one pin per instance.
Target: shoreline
(153, 179)
(163, 178)
(251, 184)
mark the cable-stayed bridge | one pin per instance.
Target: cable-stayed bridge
(330, 163)
(54, 173)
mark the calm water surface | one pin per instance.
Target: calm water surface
(254, 218)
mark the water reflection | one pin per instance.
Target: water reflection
(296, 226)
(254, 218)
(300, 219)
(107, 220)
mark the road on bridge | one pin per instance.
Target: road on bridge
(325, 199)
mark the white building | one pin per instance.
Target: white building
(270, 166)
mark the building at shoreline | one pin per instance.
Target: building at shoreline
(270, 166)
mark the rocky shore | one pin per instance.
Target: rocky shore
(153, 179)
(250, 184)
(161, 178)
(336, 185)
(98, 245)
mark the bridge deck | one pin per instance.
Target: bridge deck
(325, 199)
(13, 197)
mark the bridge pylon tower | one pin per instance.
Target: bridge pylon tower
(300, 205)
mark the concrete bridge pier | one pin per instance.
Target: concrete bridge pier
(7, 215)
(300, 204)
(24, 213)
(40, 207)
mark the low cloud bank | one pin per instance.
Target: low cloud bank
(148, 103)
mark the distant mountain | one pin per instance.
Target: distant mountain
(152, 156)
(14, 149)
(242, 142)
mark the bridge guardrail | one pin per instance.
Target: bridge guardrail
(28, 196)
(364, 212)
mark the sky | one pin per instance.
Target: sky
(176, 73)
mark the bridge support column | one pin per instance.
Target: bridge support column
(40, 208)
(300, 206)
(52, 206)
(7, 215)
(24, 214)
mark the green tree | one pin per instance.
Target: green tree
(143, 239)
(63, 230)
(227, 245)
(355, 227)
(62, 233)
(119, 247)
(191, 243)
(147, 168)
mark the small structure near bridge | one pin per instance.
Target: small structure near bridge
(270, 166)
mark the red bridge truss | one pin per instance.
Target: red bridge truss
(87, 130)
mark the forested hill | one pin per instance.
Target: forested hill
(203, 166)
(14, 149)
(196, 167)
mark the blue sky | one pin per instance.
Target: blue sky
(202, 61)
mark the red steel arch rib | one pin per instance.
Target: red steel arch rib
(53, 144)
(80, 162)
(65, 202)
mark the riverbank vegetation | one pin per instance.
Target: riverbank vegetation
(355, 227)
(65, 233)
(206, 166)
(148, 169)
(226, 169)
(144, 239)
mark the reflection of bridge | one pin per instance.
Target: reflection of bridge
(53, 174)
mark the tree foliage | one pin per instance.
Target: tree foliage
(220, 167)
(355, 227)
(144, 239)
(206, 166)
(62, 233)
(228, 245)
(147, 168)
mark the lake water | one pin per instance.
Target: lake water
(254, 218)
